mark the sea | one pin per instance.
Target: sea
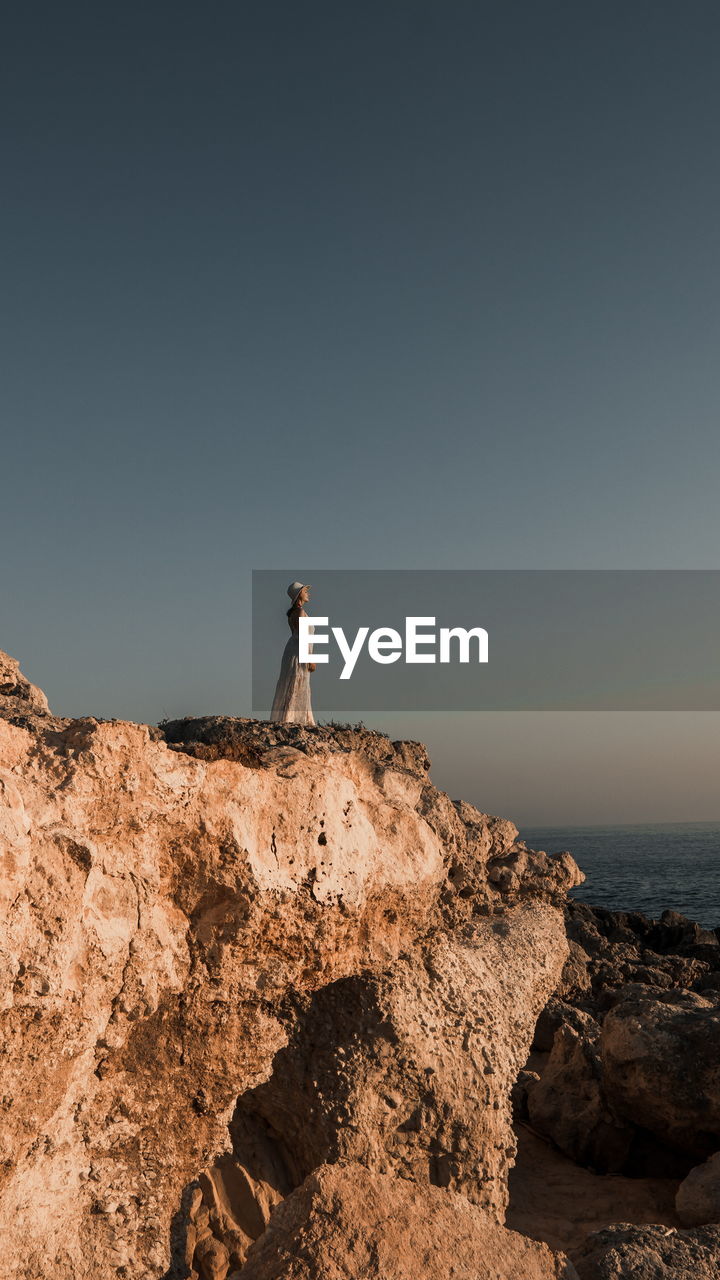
(645, 868)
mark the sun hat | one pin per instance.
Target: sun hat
(294, 590)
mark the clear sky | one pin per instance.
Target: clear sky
(376, 285)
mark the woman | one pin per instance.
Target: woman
(291, 703)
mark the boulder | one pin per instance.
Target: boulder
(568, 1103)
(698, 1197)
(346, 1223)
(626, 1252)
(661, 1066)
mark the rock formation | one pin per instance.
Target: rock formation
(698, 1197)
(346, 1223)
(236, 952)
(626, 1252)
(20, 698)
(661, 1066)
(268, 999)
(632, 1080)
(568, 1102)
(408, 1071)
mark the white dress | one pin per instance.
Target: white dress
(291, 703)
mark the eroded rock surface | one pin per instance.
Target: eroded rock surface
(568, 1100)
(698, 1197)
(411, 1071)
(661, 1060)
(626, 1252)
(182, 907)
(345, 1223)
(611, 949)
(632, 1080)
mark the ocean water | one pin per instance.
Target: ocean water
(644, 868)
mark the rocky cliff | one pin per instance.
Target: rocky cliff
(274, 1006)
(244, 963)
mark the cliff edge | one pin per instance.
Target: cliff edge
(259, 981)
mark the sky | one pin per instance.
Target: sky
(391, 285)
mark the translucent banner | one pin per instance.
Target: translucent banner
(496, 640)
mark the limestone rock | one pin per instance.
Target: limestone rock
(523, 872)
(556, 1014)
(625, 1252)
(568, 1102)
(576, 982)
(170, 910)
(21, 702)
(158, 909)
(411, 1071)
(698, 1197)
(651, 990)
(610, 949)
(661, 1066)
(13, 684)
(635, 1089)
(346, 1223)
